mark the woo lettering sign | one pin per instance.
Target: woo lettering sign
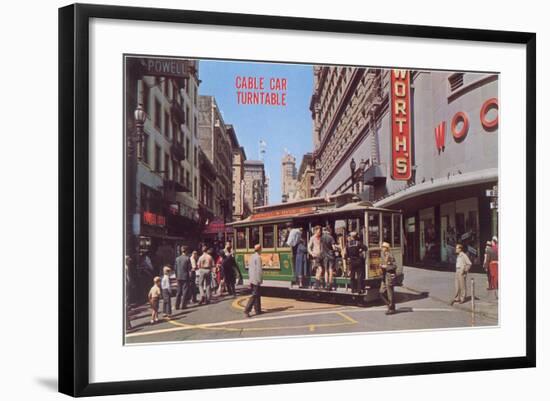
(401, 125)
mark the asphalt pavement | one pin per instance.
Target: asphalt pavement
(422, 303)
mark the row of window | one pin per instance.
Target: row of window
(168, 167)
(154, 109)
(266, 235)
(382, 227)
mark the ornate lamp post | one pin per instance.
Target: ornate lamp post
(139, 116)
(134, 149)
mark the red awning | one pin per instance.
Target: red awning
(216, 226)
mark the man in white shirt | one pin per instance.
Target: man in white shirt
(205, 265)
(463, 265)
(292, 241)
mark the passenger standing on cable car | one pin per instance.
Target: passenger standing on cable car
(315, 250)
(355, 251)
(294, 236)
(300, 267)
(329, 258)
(389, 267)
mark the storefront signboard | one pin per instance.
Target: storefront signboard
(401, 125)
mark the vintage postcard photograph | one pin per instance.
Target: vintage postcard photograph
(273, 199)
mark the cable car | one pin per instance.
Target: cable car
(270, 225)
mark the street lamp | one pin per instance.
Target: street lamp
(139, 116)
(133, 218)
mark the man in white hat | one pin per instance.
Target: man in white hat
(389, 267)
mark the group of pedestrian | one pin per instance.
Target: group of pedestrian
(463, 265)
(321, 251)
(195, 275)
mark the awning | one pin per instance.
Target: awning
(216, 226)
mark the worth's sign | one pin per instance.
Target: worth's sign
(401, 125)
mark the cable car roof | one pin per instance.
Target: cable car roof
(295, 211)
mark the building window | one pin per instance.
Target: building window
(157, 158)
(175, 132)
(145, 97)
(194, 187)
(156, 118)
(187, 149)
(175, 171)
(167, 166)
(187, 119)
(166, 124)
(196, 127)
(195, 157)
(145, 155)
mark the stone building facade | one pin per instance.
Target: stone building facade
(288, 177)
(167, 171)
(451, 152)
(215, 141)
(347, 105)
(240, 208)
(254, 184)
(305, 178)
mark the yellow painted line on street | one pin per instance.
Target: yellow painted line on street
(269, 303)
(267, 328)
(185, 326)
(349, 319)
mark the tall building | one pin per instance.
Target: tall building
(305, 178)
(240, 209)
(288, 177)
(254, 184)
(215, 141)
(425, 142)
(166, 175)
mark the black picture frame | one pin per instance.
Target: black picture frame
(74, 198)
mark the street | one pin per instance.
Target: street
(422, 303)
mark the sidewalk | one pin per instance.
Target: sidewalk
(440, 286)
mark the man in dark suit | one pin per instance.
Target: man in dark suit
(183, 275)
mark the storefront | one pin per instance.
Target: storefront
(450, 175)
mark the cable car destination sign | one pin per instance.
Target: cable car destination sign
(401, 125)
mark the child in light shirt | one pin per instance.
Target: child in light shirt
(166, 292)
(154, 299)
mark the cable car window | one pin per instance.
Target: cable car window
(241, 238)
(268, 240)
(396, 230)
(386, 228)
(254, 236)
(282, 235)
(374, 229)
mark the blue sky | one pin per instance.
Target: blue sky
(281, 127)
